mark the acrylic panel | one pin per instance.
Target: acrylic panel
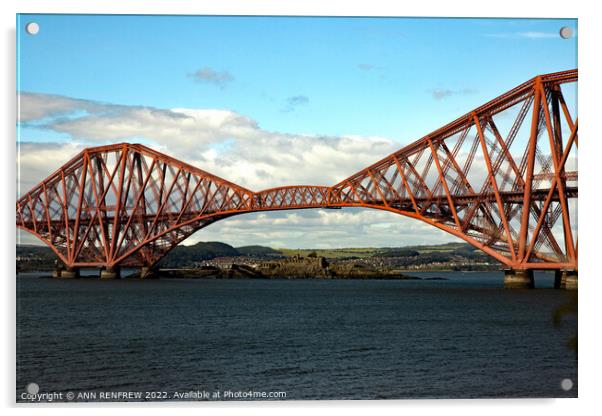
(409, 189)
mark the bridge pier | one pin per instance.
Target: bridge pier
(518, 279)
(565, 279)
(146, 272)
(67, 273)
(110, 273)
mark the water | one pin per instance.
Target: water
(313, 339)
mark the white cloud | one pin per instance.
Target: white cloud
(223, 142)
(40, 106)
(322, 229)
(36, 161)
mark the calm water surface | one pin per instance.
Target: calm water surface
(313, 339)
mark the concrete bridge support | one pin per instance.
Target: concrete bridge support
(565, 279)
(65, 273)
(146, 272)
(518, 279)
(110, 273)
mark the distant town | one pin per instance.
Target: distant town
(216, 259)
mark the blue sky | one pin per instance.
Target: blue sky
(387, 79)
(366, 76)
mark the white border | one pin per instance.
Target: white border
(589, 159)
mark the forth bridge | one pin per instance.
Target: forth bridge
(498, 178)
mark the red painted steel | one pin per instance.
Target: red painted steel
(510, 195)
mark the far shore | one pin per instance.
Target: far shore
(197, 273)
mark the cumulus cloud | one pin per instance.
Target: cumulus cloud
(36, 161)
(224, 142)
(211, 76)
(39, 106)
(322, 229)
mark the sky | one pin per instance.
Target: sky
(323, 97)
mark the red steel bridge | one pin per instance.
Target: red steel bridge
(502, 177)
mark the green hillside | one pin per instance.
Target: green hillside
(200, 251)
(256, 251)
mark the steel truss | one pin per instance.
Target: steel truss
(496, 177)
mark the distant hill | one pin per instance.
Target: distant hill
(396, 252)
(30, 257)
(213, 248)
(256, 251)
(185, 255)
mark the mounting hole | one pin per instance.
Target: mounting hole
(566, 384)
(32, 388)
(566, 32)
(32, 28)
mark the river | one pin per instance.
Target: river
(312, 339)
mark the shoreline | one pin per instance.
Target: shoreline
(245, 272)
(197, 274)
